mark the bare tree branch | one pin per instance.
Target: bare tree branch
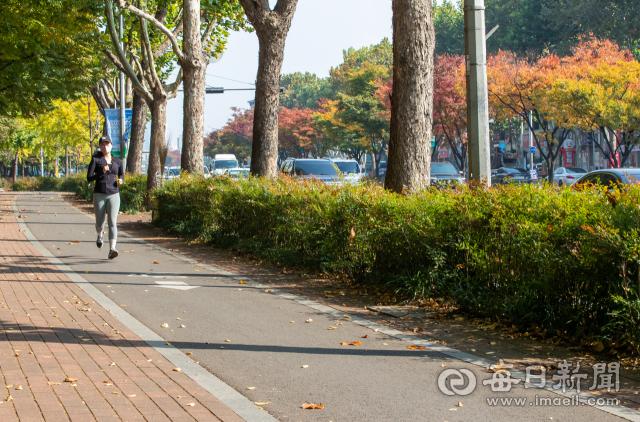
(174, 41)
(167, 42)
(123, 60)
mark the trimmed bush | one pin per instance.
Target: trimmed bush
(557, 258)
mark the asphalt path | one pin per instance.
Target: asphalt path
(259, 343)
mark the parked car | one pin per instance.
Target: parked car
(350, 170)
(442, 173)
(605, 177)
(506, 175)
(171, 173)
(383, 169)
(567, 175)
(308, 168)
(222, 162)
(237, 173)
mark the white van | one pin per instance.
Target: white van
(222, 162)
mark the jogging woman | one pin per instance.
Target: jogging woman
(106, 170)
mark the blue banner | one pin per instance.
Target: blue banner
(112, 117)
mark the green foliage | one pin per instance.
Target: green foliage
(48, 50)
(448, 22)
(304, 90)
(527, 254)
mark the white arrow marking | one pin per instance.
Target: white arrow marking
(175, 285)
(157, 276)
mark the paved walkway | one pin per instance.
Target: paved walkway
(65, 358)
(255, 345)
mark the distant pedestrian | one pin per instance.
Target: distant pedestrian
(106, 170)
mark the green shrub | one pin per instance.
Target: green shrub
(558, 258)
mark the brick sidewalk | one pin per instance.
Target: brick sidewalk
(64, 358)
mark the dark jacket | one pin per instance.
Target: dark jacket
(105, 182)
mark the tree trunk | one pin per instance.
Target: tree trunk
(194, 68)
(408, 164)
(272, 28)
(158, 133)
(66, 160)
(138, 126)
(15, 168)
(264, 153)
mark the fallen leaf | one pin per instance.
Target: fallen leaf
(68, 379)
(241, 282)
(251, 388)
(177, 370)
(598, 346)
(115, 392)
(346, 316)
(182, 326)
(190, 404)
(331, 328)
(189, 353)
(53, 383)
(384, 344)
(304, 366)
(19, 387)
(309, 320)
(261, 403)
(459, 404)
(365, 336)
(131, 395)
(228, 341)
(355, 343)
(165, 325)
(155, 262)
(10, 398)
(312, 406)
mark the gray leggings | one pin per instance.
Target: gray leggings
(103, 205)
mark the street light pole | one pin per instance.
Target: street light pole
(477, 92)
(122, 98)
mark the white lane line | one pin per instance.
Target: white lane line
(238, 403)
(175, 285)
(583, 397)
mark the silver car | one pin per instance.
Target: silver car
(568, 175)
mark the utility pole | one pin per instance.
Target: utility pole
(477, 92)
(122, 99)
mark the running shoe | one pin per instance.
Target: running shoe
(99, 242)
(113, 253)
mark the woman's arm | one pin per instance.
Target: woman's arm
(91, 173)
(120, 173)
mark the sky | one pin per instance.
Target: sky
(320, 31)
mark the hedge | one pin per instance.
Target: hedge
(556, 258)
(131, 192)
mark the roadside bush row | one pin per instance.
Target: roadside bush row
(558, 259)
(131, 193)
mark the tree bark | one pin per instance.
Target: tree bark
(15, 168)
(272, 28)
(66, 160)
(409, 161)
(138, 126)
(158, 131)
(194, 67)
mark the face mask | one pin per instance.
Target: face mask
(105, 148)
